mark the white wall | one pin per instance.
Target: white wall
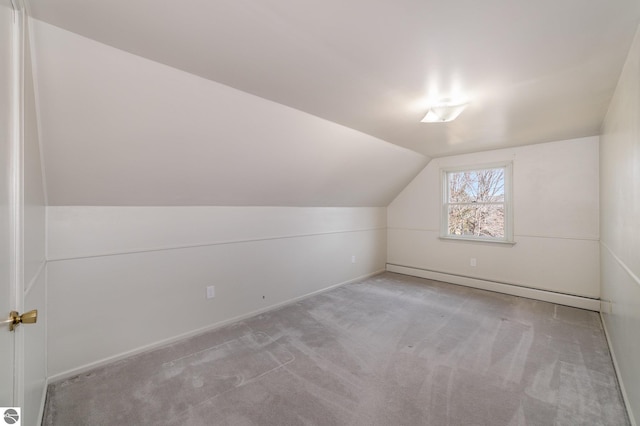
(137, 275)
(620, 226)
(555, 221)
(35, 373)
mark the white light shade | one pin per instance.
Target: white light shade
(444, 111)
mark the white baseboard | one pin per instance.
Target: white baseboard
(514, 290)
(625, 398)
(96, 364)
(43, 402)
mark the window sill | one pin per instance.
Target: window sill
(478, 240)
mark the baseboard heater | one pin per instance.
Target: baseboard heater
(512, 289)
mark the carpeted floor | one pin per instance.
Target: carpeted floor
(390, 350)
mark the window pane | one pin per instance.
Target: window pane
(476, 186)
(479, 221)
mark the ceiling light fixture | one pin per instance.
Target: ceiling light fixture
(444, 110)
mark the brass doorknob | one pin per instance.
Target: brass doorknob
(30, 317)
(27, 318)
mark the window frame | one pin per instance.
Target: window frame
(508, 202)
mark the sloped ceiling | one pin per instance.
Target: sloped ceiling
(315, 103)
(119, 130)
(535, 71)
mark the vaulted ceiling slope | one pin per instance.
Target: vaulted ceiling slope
(119, 129)
(535, 71)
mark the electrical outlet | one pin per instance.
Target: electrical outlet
(353, 259)
(211, 292)
(473, 262)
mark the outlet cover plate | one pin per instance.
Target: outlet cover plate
(211, 292)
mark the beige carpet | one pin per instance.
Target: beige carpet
(390, 350)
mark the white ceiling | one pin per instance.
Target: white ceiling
(535, 71)
(120, 130)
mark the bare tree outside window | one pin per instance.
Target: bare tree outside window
(476, 203)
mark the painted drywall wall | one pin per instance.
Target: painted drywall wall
(35, 373)
(137, 276)
(89, 231)
(144, 134)
(620, 227)
(555, 221)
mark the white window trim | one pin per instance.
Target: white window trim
(508, 194)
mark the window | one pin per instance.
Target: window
(476, 203)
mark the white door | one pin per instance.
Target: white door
(10, 297)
